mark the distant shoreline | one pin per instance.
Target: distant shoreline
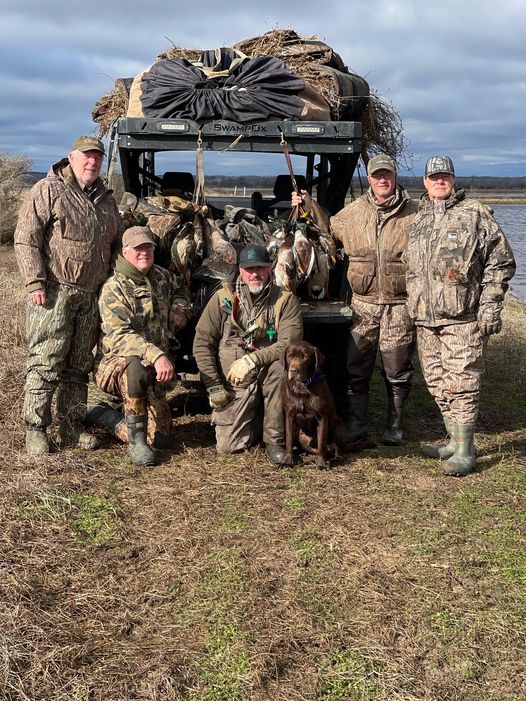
(487, 196)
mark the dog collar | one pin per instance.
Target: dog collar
(314, 378)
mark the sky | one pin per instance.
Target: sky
(455, 71)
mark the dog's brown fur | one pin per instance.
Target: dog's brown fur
(308, 405)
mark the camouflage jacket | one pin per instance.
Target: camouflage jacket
(65, 234)
(137, 311)
(374, 236)
(459, 262)
(220, 333)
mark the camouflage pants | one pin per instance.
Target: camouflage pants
(452, 364)
(60, 338)
(254, 413)
(389, 329)
(142, 395)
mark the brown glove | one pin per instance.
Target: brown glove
(487, 328)
(489, 319)
(218, 397)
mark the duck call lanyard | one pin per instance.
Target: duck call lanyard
(258, 321)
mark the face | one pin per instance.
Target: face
(256, 278)
(86, 165)
(439, 185)
(141, 257)
(383, 184)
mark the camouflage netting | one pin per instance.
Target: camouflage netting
(307, 58)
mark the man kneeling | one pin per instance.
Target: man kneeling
(238, 343)
(141, 307)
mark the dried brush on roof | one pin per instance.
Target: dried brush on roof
(302, 55)
(382, 130)
(110, 107)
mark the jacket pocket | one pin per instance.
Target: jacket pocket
(74, 270)
(452, 300)
(361, 274)
(142, 308)
(394, 279)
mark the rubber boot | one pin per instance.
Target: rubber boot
(463, 461)
(393, 433)
(275, 453)
(441, 451)
(71, 411)
(356, 423)
(138, 450)
(36, 442)
(74, 436)
(105, 416)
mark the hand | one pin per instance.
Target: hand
(38, 297)
(164, 369)
(218, 397)
(240, 369)
(297, 198)
(489, 327)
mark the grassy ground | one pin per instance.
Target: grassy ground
(226, 579)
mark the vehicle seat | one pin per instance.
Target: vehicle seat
(283, 187)
(176, 182)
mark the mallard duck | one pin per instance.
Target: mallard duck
(285, 268)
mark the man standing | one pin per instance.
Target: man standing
(238, 343)
(373, 230)
(459, 265)
(142, 307)
(63, 243)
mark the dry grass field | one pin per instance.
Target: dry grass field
(213, 578)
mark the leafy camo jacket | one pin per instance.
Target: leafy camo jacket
(137, 311)
(459, 262)
(65, 234)
(374, 237)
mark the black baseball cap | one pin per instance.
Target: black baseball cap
(254, 256)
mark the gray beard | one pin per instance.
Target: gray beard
(256, 289)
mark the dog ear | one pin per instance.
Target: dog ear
(320, 358)
(284, 358)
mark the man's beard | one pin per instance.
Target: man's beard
(255, 287)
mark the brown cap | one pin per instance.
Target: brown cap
(381, 162)
(137, 235)
(88, 143)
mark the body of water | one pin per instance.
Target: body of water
(512, 219)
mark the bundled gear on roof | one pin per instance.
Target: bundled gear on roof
(223, 84)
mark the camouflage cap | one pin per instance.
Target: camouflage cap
(88, 143)
(252, 256)
(137, 235)
(439, 164)
(381, 162)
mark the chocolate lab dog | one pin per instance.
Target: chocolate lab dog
(310, 414)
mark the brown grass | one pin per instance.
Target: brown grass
(220, 578)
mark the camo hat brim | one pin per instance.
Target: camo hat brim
(381, 162)
(439, 164)
(88, 143)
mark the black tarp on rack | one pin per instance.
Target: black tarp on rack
(221, 85)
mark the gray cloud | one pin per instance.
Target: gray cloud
(455, 72)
